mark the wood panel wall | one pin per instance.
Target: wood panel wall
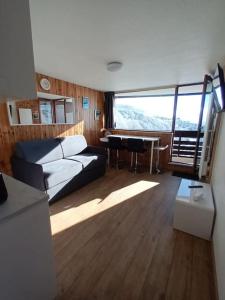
(85, 123)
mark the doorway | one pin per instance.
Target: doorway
(189, 119)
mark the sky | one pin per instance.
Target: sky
(188, 107)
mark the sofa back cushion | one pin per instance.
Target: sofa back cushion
(72, 145)
(39, 151)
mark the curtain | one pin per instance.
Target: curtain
(109, 102)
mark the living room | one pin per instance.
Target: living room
(111, 150)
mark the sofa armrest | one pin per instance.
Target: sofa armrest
(95, 150)
(28, 172)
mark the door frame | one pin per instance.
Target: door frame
(175, 114)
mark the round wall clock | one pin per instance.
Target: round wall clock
(45, 84)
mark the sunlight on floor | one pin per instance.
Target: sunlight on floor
(77, 214)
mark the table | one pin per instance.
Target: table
(147, 139)
(194, 209)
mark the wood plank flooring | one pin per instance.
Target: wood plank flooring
(113, 239)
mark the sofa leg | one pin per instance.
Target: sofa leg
(108, 154)
(117, 159)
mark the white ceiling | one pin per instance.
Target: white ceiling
(160, 42)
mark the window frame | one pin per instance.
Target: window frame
(175, 95)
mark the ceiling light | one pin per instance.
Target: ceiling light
(114, 66)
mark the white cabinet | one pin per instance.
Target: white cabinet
(26, 254)
(194, 209)
(17, 75)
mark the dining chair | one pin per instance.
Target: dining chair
(116, 144)
(135, 146)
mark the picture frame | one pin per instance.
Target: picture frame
(35, 115)
(85, 103)
(97, 114)
(25, 116)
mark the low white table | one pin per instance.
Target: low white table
(194, 209)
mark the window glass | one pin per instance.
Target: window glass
(188, 109)
(150, 113)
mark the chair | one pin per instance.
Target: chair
(135, 146)
(115, 143)
(159, 149)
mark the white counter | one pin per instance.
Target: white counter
(20, 198)
(26, 254)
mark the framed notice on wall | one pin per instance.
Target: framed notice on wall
(97, 114)
(85, 103)
(25, 115)
(35, 115)
(46, 112)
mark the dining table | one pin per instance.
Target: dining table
(149, 140)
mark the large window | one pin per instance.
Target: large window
(151, 111)
(154, 110)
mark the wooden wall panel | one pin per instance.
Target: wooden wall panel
(85, 123)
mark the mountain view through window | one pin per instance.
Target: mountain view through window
(155, 112)
(147, 113)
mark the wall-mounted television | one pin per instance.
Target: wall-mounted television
(219, 89)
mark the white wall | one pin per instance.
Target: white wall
(17, 76)
(218, 184)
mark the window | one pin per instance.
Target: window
(149, 110)
(188, 107)
(187, 141)
(153, 110)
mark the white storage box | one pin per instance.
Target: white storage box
(194, 209)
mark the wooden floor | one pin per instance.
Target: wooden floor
(113, 239)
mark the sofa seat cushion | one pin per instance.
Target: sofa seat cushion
(58, 171)
(89, 160)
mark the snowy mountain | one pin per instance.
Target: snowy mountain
(128, 118)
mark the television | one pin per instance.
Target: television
(219, 89)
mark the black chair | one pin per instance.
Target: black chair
(115, 143)
(135, 146)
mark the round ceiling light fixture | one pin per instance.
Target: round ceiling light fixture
(114, 66)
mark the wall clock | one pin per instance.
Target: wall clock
(45, 84)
